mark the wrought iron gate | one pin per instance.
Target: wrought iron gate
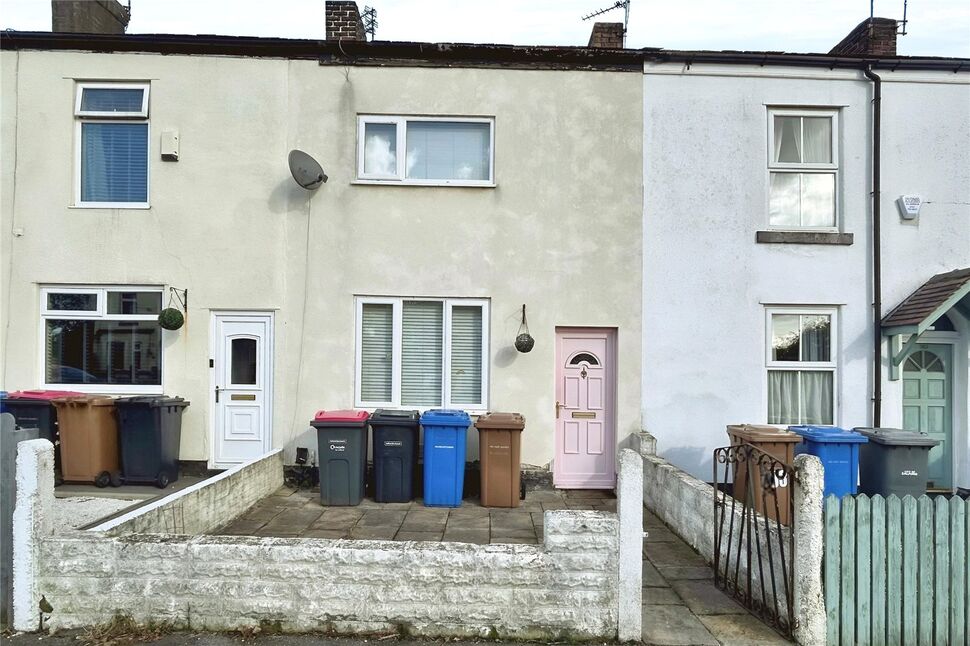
(754, 533)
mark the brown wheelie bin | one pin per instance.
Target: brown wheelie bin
(499, 436)
(89, 439)
(778, 443)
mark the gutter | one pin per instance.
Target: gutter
(876, 246)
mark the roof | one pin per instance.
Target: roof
(449, 54)
(921, 308)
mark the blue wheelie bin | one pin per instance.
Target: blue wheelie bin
(445, 433)
(838, 451)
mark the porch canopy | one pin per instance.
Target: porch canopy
(922, 308)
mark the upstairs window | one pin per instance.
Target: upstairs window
(802, 169)
(422, 353)
(112, 145)
(426, 151)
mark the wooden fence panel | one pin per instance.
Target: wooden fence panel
(897, 572)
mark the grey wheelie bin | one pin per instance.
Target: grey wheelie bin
(149, 435)
(893, 461)
(395, 437)
(342, 446)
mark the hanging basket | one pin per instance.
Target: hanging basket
(171, 319)
(523, 340)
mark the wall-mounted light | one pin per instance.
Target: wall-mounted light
(523, 340)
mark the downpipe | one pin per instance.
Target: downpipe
(876, 246)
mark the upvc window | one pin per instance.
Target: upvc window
(801, 363)
(422, 353)
(803, 169)
(112, 145)
(102, 339)
(431, 151)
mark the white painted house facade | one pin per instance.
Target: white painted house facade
(758, 248)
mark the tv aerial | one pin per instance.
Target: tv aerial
(305, 170)
(619, 4)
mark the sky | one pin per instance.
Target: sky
(936, 27)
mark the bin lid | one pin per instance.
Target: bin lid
(896, 437)
(393, 417)
(763, 433)
(341, 416)
(446, 417)
(151, 400)
(83, 400)
(830, 434)
(501, 421)
(44, 395)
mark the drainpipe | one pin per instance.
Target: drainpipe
(876, 249)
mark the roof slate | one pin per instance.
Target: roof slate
(921, 303)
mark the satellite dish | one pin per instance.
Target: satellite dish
(305, 170)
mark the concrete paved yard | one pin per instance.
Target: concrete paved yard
(681, 604)
(299, 513)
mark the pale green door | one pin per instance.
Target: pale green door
(927, 406)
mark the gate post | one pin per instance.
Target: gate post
(629, 509)
(809, 598)
(31, 523)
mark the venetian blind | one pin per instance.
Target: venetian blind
(421, 353)
(114, 162)
(376, 348)
(466, 354)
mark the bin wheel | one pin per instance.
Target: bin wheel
(162, 480)
(116, 479)
(102, 480)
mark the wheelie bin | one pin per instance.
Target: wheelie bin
(149, 434)
(838, 451)
(33, 409)
(894, 462)
(89, 439)
(779, 444)
(342, 446)
(395, 438)
(499, 439)
(445, 435)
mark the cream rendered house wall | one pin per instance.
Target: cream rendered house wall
(560, 232)
(707, 282)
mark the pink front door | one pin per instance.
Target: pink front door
(585, 415)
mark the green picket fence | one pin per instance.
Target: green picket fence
(897, 571)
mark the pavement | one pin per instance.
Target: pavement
(298, 513)
(681, 604)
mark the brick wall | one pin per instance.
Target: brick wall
(608, 35)
(871, 37)
(563, 589)
(89, 16)
(343, 20)
(205, 505)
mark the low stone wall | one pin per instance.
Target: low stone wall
(205, 505)
(566, 588)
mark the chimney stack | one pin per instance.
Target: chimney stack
(343, 21)
(89, 16)
(872, 37)
(607, 35)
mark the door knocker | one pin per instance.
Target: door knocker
(583, 373)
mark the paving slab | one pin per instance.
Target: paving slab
(651, 577)
(661, 597)
(467, 522)
(674, 626)
(517, 540)
(476, 536)
(241, 527)
(379, 533)
(326, 533)
(673, 553)
(381, 518)
(417, 536)
(673, 573)
(660, 535)
(742, 630)
(703, 598)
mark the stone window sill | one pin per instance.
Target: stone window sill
(804, 237)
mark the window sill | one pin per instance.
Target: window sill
(112, 205)
(804, 237)
(392, 182)
(115, 390)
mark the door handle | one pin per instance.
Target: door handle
(558, 406)
(217, 394)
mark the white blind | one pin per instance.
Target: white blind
(421, 353)
(466, 354)
(448, 150)
(114, 162)
(376, 361)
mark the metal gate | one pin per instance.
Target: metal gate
(754, 533)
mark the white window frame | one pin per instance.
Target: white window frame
(804, 168)
(401, 143)
(397, 317)
(92, 116)
(101, 313)
(832, 365)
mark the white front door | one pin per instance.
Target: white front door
(242, 392)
